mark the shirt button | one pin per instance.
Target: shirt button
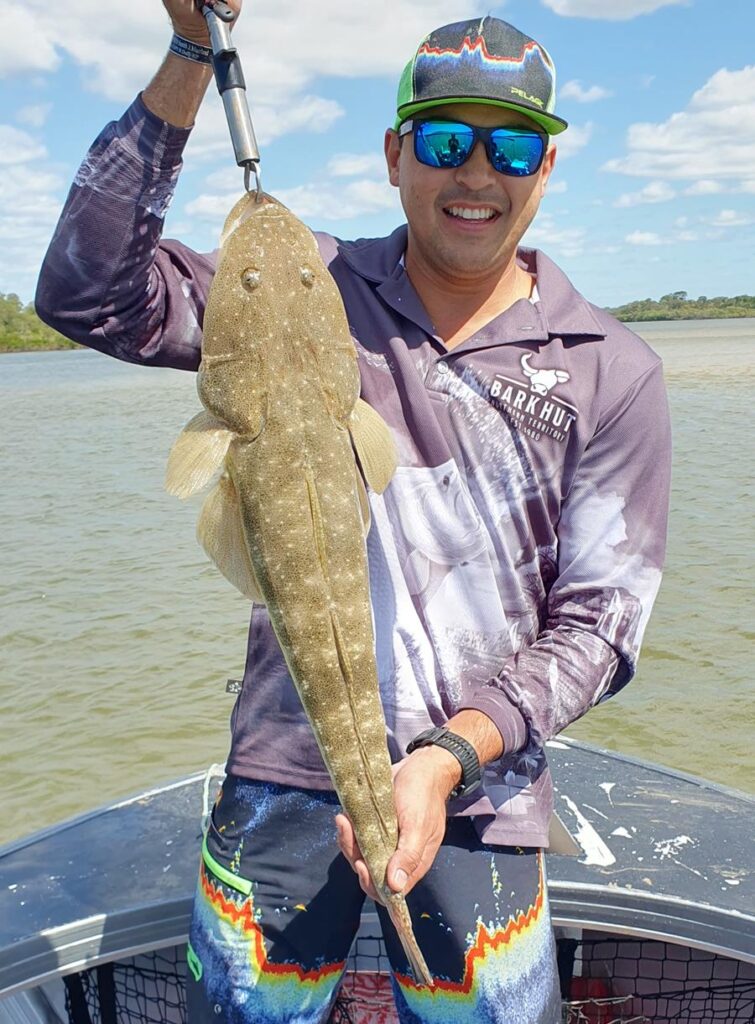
(442, 366)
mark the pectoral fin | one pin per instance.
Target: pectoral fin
(220, 531)
(197, 455)
(374, 445)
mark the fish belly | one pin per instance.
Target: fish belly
(303, 528)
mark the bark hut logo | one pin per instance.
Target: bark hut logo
(531, 405)
(542, 381)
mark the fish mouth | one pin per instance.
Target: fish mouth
(264, 206)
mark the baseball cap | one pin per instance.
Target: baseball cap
(481, 60)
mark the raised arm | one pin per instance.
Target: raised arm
(108, 281)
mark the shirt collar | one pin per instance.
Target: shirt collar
(560, 311)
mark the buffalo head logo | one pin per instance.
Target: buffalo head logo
(542, 381)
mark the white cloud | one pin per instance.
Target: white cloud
(545, 233)
(730, 219)
(288, 42)
(747, 186)
(348, 165)
(610, 10)
(644, 238)
(556, 188)
(314, 201)
(574, 139)
(573, 90)
(713, 138)
(331, 203)
(30, 202)
(704, 187)
(35, 114)
(19, 22)
(16, 147)
(210, 137)
(687, 236)
(654, 192)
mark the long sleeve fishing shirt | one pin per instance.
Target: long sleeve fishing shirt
(516, 554)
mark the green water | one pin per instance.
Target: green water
(116, 636)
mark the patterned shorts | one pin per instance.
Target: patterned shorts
(277, 908)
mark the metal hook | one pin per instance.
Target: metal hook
(251, 167)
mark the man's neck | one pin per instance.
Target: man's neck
(459, 308)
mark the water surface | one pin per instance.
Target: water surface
(117, 636)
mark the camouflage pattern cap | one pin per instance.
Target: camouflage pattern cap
(481, 60)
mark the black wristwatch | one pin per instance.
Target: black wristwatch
(463, 751)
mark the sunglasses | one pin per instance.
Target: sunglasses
(517, 152)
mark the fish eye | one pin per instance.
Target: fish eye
(251, 279)
(308, 276)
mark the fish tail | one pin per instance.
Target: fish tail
(197, 455)
(398, 912)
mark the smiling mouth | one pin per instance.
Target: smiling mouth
(469, 213)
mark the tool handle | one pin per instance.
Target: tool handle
(229, 78)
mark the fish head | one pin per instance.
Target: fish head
(270, 271)
(239, 322)
(274, 303)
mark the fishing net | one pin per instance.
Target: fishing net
(643, 982)
(604, 982)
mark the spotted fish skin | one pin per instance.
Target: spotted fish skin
(287, 521)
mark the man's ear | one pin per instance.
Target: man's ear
(547, 168)
(392, 149)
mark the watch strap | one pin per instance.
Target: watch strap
(463, 751)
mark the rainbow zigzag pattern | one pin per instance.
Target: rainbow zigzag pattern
(262, 989)
(479, 52)
(504, 967)
(503, 964)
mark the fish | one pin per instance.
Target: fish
(286, 522)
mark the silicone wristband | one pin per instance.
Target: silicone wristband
(190, 51)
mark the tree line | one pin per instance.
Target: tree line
(678, 306)
(21, 330)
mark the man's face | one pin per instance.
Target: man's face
(441, 241)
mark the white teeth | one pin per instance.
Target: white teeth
(485, 213)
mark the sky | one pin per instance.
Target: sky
(654, 186)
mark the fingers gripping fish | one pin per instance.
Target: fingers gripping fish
(287, 520)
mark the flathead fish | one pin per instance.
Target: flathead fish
(286, 522)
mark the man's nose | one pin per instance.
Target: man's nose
(477, 171)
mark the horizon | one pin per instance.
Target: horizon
(659, 158)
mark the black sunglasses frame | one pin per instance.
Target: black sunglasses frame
(482, 135)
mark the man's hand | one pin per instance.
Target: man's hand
(188, 21)
(422, 783)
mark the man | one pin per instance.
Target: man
(513, 559)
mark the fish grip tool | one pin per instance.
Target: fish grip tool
(229, 78)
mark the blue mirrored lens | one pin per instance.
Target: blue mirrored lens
(443, 143)
(512, 151)
(515, 153)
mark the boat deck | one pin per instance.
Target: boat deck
(664, 856)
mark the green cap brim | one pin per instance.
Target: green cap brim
(553, 125)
